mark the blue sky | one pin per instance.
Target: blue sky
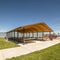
(15, 13)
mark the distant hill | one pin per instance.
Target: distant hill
(2, 34)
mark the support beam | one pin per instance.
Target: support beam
(32, 35)
(26, 35)
(42, 35)
(14, 35)
(29, 35)
(8, 35)
(17, 35)
(11, 34)
(49, 33)
(37, 34)
(23, 35)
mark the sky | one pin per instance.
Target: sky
(15, 13)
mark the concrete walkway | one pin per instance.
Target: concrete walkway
(25, 49)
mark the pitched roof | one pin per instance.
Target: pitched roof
(38, 27)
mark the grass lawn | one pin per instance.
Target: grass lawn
(6, 44)
(51, 53)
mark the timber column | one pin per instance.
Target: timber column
(42, 35)
(23, 35)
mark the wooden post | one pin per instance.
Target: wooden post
(17, 35)
(37, 34)
(8, 35)
(29, 35)
(11, 35)
(14, 35)
(32, 35)
(49, 33)
(26, 35)
(23, 35)
(20, 35)
(42, 35)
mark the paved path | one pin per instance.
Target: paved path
(25, 49)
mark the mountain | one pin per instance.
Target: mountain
(2, 34)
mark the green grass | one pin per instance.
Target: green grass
(51, 53)
(6, 44)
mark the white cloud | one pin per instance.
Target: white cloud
(1, 30)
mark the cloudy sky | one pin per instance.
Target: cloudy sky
(15, 13)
